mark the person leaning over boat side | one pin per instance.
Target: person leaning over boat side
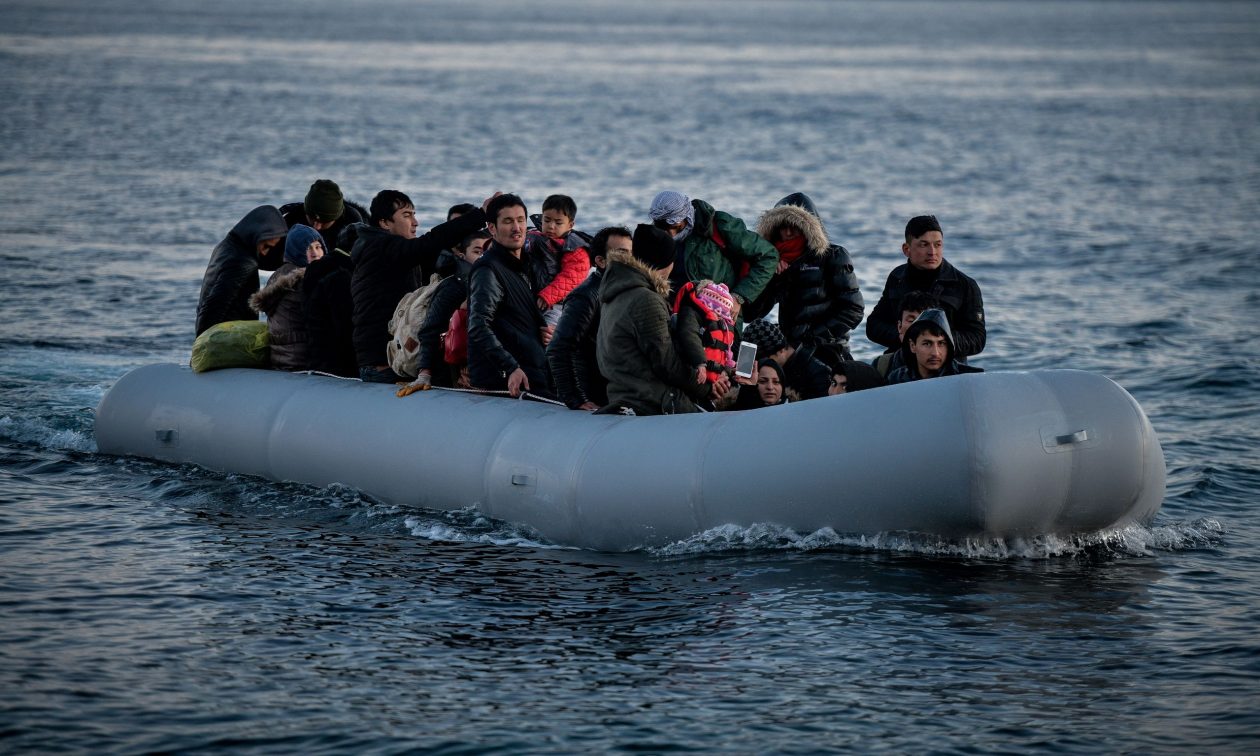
(505, 326)
(912, 306)
(635, 348)
(802, 372)
(572, 351)
(324, 209)
(384, 256)
(926, 269)
(231, 277)
(282, 300)
(814, 285)
(714, 245)
(451, 295)
(329, 308)
(929, 351)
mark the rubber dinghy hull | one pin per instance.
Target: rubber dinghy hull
(990, 454)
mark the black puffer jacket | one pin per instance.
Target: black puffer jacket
(382, 276)
(330, 315)
(451, 292)
(232, 276)
(571, 353)
(818, 295)
(504, 323)
(958, 294)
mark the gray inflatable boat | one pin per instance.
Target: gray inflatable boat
(985, 455)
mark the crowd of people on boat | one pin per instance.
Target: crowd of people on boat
(645, 321)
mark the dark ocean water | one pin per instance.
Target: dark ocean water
(1096, 166)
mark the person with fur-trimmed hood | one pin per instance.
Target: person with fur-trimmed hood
(814, 284)
(282, 300)
(635, 349)
(928, 350)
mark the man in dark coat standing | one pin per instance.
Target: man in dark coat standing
(505, 346)
(927, 270)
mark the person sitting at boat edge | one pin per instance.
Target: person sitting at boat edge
(572, 351)
(384, 255)
(231, 276)
(929, 351)
(282, 300)
(850, 376)
(926, 269)
(505, 326)
(329, 308)
(913, 303)
(635, 348)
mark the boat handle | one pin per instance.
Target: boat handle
(1078, 437)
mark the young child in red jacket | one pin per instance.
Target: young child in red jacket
(558, 256)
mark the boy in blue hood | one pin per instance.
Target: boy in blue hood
(928, 350)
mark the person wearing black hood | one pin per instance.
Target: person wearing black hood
(928, 351)
(232, 276)
(926, 269)
(814, 285)
(635, 348)
(383, 257)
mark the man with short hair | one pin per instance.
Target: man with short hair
(912, 306)
(384, 254)
(505, 346)
(928, 351)
(926, 269)
(572, 351)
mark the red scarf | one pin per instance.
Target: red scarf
(790, 250)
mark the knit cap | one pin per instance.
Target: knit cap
(766, 335)
(653, 246)
(324, 201)
(295, 245)
(717, 298)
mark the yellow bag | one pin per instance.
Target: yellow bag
(236, 343)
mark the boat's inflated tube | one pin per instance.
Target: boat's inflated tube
(990, 454)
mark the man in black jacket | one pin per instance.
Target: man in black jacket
(505, 347)
(927, 270)
(928, 351)
(571, 353)
(383, 257)
(231, 278)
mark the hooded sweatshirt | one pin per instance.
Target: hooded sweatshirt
(232, 276)
(909, 371)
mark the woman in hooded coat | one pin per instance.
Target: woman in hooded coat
(815, 285)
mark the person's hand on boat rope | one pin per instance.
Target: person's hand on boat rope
(423, 382)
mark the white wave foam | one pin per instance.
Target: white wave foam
(469, 526)
(1129, 541)
(42, 434)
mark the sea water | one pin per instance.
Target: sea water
(1095, 168)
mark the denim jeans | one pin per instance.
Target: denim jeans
(372, 375)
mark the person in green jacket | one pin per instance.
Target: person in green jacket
(634, 347)
(714, 245)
